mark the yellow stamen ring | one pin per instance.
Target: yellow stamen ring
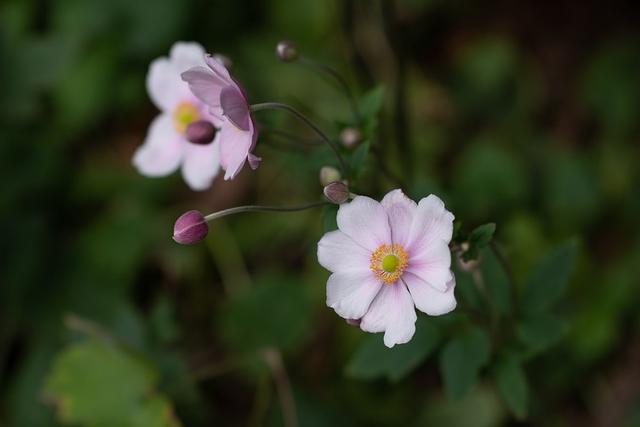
(388, 263)
(184, 115)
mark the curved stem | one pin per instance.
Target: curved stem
(327, 70)
(254, 208)
(303, 118)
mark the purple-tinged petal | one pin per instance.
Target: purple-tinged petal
(365, 221)
(432, 264)
(205, 85)
(218, 68)
(391, 311)
(162, 150)
(337, 252)
(234, 149)
(254, 161)
(234, 107)
(400, 210)
(430, 222)
(351, 293)
(428, 299)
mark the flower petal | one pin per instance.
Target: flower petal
(162, 150)
(428, 299)
(351, 293)
(432, 264)
(430, 222)
(234, 148)
(235, 107)
(337, 252)
(400, 210)
(365, 221)
(201, 164)
(218, 68)
(185, 55)
(391, 311)
(205, 86)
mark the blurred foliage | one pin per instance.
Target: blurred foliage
(523, 118)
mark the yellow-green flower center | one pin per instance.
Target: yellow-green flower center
(184, 115)
(388, 263)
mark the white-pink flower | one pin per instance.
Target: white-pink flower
(228, 103)
(166, 146)
(387, 257)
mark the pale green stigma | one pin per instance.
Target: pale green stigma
(390, 263)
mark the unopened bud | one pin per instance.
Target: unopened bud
(336, 192)
(329, 174)
(286, 51)
(200, 132)
(350, 137)
(190, 228)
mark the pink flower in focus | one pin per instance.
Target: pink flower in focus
(167, 146)
(228, 104)
(387, 257)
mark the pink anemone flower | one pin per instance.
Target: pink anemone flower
(228, 103)
(167, 145)
(387, 258)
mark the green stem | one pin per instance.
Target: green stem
(254, 208)
(303, 118)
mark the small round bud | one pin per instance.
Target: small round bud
(200, 132)
(286, 51)
(190, 228)
(350, 137)
(329, 174)
(336, 192)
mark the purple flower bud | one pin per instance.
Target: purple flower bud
(286, 51)
(200, 132)
(336, 192)
(329, 174)
(190, 228)
(350, 137)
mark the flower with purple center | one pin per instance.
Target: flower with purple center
(228, 103)
(387, 258)
(183, 135)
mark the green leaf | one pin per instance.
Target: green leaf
(461, 360)
(512, 384)
(374, 360)
(371, 102)
(496, 282)
(357, 160)
(329, 218)
(274, 313)
(479, 239)
(548, 280)
(98, 384)
(539, 332)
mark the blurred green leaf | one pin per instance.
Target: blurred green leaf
(329, 216)
(512, 384)
(479, 408)
(373, 359)
(357, 160)
(540, 331)
(98, 384)
(548, 280)
(274, 313)
(461, 360)
(479, 239)
(371, 102)
(496, 282)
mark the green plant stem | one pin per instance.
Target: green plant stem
(342, 83)
(273, 359)
(256, 208)
(305, 120)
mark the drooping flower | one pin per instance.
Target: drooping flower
(168, 144)
(387, 257)
(228, 103)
